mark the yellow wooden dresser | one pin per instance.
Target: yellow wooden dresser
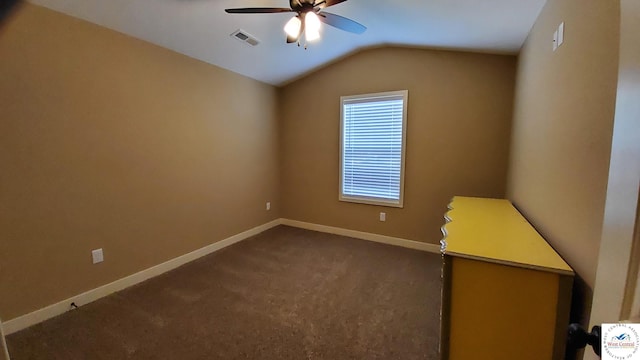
(506, 293)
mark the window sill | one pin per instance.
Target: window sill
(372, 201)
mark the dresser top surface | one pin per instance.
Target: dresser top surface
(493, 230)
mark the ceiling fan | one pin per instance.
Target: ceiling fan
(309, 15)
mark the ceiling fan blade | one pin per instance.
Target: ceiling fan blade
(342, 23)
(326, 3)
(257, 10)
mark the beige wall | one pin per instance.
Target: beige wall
(460, 107)
(562, 128)
(108, 141)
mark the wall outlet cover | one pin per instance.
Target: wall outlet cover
(561, 34)
(97, 256)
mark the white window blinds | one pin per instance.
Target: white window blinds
(373, 133)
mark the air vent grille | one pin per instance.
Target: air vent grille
(245, 37)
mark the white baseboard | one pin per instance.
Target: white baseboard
(3, 343)
(390, 240)
(24, 321)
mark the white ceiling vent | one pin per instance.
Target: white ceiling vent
(245, 37)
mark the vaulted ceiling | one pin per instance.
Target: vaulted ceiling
(201, 29)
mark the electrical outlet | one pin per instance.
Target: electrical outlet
(97, 256)
(558, 36)
(383, 216)
(561, 34)
(268, 205)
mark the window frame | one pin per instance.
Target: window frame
(404, 94)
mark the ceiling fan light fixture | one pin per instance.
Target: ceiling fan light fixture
(292, 28)
(312, 22)
(312, 35)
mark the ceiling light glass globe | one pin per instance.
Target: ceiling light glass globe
(312, 35)
(312, 22)
(292, 28)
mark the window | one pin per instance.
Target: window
(372, 148)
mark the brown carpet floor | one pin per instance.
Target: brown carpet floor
(284, 294)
